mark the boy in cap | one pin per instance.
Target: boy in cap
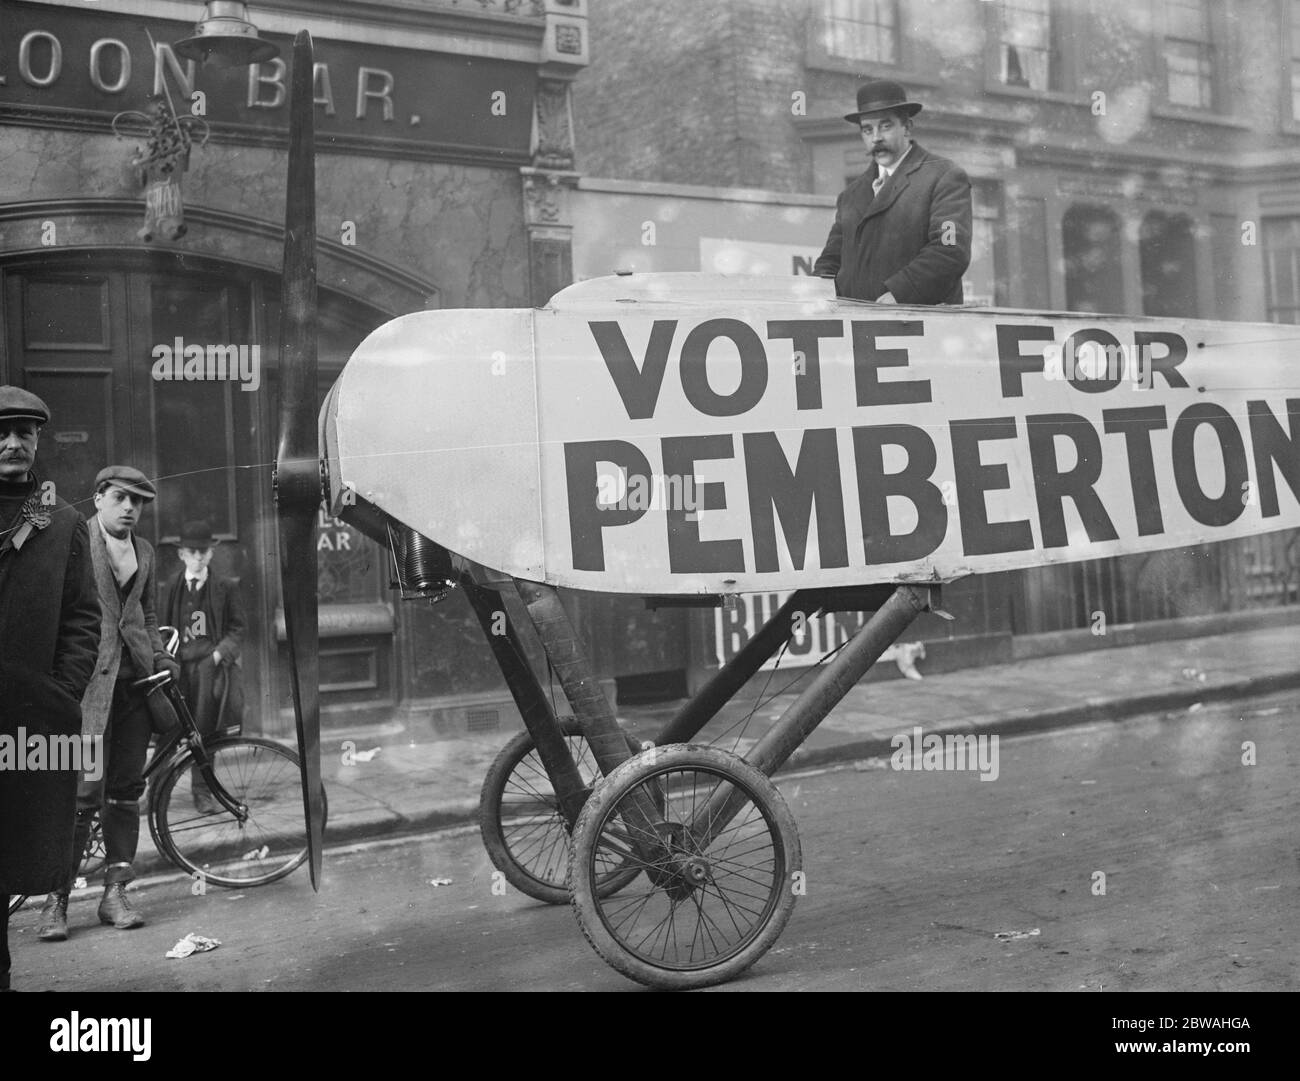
(130, 649)
(205, 607)
(49, 634)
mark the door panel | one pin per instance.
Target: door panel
(67, 343)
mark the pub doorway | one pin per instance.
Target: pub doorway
(95, 335)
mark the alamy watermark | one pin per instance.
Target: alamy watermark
(132, 1035)
(1110, 363)
(950, 752)
(31, 752)
(179, 362)
(639, 492)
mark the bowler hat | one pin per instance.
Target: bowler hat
(879, 95)
(125, 477)
(196, 535)
(19, 404)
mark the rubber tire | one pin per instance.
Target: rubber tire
(549, 891)
(158, 819)
(587, 832)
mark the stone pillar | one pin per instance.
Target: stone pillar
(546, 186)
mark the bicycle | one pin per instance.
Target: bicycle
(240, 825)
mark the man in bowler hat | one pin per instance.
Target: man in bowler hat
(130, 649)
(49, 635)
(206, 609)
(902, 230)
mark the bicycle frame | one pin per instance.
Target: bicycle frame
(185, 740)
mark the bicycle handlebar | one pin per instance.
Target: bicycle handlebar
(171, 638)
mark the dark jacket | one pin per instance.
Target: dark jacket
(49, 632)
(225, 612)
(912, 241)
(131, 622)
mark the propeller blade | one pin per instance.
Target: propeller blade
(298, 479)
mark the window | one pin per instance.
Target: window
(1189, 54)
(861, 30)
(1026, 54)
(193, 420)
(1294, 64)
(1281, 247)
(980, 281)
(1167, 254)
(1091, 239)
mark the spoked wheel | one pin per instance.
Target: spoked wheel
(523, 828)
(198, 834)
(707, 907)
(96, 854)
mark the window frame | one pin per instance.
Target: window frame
(1289, 66)
(904, 70)
(1271, 305)
(825, 17)
(1218, 28)
(1066, 26)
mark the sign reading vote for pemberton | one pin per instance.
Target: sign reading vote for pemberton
(690, 433)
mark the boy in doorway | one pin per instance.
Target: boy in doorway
(206, 609)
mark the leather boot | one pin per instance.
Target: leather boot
(54, 918)
(116, 910)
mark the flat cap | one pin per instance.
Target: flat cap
(127, 477)
(19, 404)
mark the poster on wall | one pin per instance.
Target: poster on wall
(720, 256)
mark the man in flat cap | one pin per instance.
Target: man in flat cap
(49, 634)
(206, 608)
(902, 230)
(130, 649)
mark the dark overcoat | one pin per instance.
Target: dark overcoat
(49, 632)
(131, 622)
(911, 240)
(225, 612)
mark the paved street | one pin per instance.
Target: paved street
(911, 876)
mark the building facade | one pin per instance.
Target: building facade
(127, 237)
(1127, 156)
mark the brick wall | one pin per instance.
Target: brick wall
(686, 92)
(690, 92)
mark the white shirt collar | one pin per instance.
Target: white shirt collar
(121, 554)
(893, 168)
(120, 543)
(200, 578)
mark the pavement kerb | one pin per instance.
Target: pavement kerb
(1010, 724)
(465, 811)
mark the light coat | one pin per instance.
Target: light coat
(132, 622)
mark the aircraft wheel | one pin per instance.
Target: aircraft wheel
(707, 908)
(522, 826)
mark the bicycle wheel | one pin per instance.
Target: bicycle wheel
(96, 854)
(523, 828)
(199, 835)
(710, 907)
